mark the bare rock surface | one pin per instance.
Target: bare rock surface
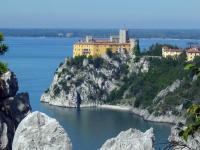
(13, 108)
(39, 132)
(131, 139)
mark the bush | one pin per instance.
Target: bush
(3, 47)
(78, 61)
(3, 68)
(97, 62)
(109, 52)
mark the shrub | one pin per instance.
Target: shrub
(3, 68)
(109, 52)
(78, 61)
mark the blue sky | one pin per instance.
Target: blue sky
(183, 14)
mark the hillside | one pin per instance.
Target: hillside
(156, 88)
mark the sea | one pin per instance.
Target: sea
(34, 61)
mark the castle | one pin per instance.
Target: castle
(98, 47)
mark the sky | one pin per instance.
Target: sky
(148, 14)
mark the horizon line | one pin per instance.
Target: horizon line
(109, 28)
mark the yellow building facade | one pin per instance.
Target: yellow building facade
(168, 52)
(97, 47)
(192, 53)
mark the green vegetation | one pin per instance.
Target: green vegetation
(3, 49)
(193, 122)
(136, 49)
(156, 49)
(78, 61)
(109, 52)
(143, 87)
(97, 61)
(193, 112)
(3, 68)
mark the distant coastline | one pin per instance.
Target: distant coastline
(102, 33)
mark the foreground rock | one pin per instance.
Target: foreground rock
(40, 132)
(131, 139)
(13, 108)
(193, 142)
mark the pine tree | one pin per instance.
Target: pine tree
(3, 47)
(136, 49)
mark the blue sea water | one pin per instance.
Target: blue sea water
(34, 60)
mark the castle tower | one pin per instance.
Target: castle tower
(123, 36)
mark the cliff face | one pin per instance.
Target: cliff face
(146, 84)
(88, 81)
(13, 108)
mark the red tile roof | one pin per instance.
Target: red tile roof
(193, 50)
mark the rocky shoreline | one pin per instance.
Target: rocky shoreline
(145, 114)
(171, 119)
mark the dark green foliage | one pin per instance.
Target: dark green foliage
(97, 62)
(196, 61)
(56, 90)
(182, 57)
(1, 37)
(3, 68)
(79, 82)
(194, 124)
(124, 69)
(46, 91)
(156, 49)
(78, 61)
(193, 112)
(145, 86)
(136, 49)
(109, 52)
(3, 47)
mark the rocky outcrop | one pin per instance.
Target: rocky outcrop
(131, 139)
(13, 108)
(40, 132)
(8, 85)
(193, 142)
(88, 81)
(171, 88)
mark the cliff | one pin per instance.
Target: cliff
(13, 108)
(89, 81)
(149, 86)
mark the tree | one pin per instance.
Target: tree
(156, 49)
(182, 57)
(136, 49)
(109, 52)
(3, 47)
